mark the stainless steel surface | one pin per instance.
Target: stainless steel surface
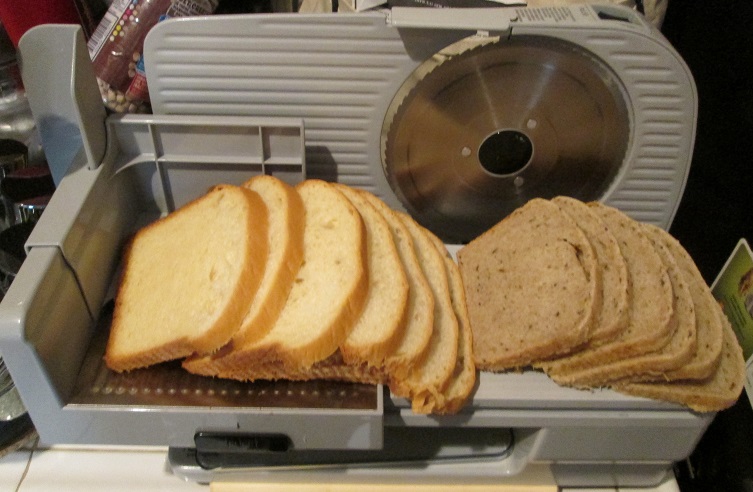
(11, 406)
(483, 126)
(30, 210)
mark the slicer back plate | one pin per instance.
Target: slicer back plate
(340, 74)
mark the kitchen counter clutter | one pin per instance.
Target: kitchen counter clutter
(143, 469)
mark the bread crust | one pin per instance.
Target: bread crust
(321, 307)
(143, 271)
(378, 330)
(719, 391)
(651, 303)
(427, 380)
(285, 245)
(463, 379)
(418, 322)
(530, 285)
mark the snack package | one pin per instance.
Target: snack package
(117, 44)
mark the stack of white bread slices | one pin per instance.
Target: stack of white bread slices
(320, 280)
(596, 299)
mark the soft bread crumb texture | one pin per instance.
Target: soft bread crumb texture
(614, 297)
(188, 279)
(329, 290)
(529, 291)
(285, 246)
(378, 328)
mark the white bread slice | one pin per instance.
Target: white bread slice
(651, 305)
(328, 293)
(426, 381)
(677, 352)
(188, 279)
(612, 317)
(530, 284)
(463, 379)
(417, 323)
(285, 245)
(419, 316)
(380, 326)
(719, 391)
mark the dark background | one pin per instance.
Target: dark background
(715, 38)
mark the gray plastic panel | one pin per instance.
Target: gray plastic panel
(661, 94)
(185, 154)
(68, 111)
(340, 72)
(336, 72)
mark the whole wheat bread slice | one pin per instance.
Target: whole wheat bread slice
(613, 315)
(531, 287)
(285, 244)
(719, 391)
(710, 320)
(676, 353)
(651, 303)
(188, 279)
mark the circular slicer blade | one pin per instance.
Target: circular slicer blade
(484, 126)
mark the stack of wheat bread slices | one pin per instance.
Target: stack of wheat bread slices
(652, 328)
(342, 287)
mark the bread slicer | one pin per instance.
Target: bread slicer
(315, 96)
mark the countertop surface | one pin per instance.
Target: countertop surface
(145, 469)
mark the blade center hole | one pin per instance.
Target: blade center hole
(505, 152)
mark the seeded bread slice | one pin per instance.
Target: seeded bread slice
(426, 381)
(285, 244)
(328, 292)
(677, 352)
(710, 320)
(530, 284)
(651, 306)
(612, 316)
(189, 278)
(721, 390)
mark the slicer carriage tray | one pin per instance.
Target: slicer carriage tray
(169, 385)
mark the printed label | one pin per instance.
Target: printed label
(733, 289)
